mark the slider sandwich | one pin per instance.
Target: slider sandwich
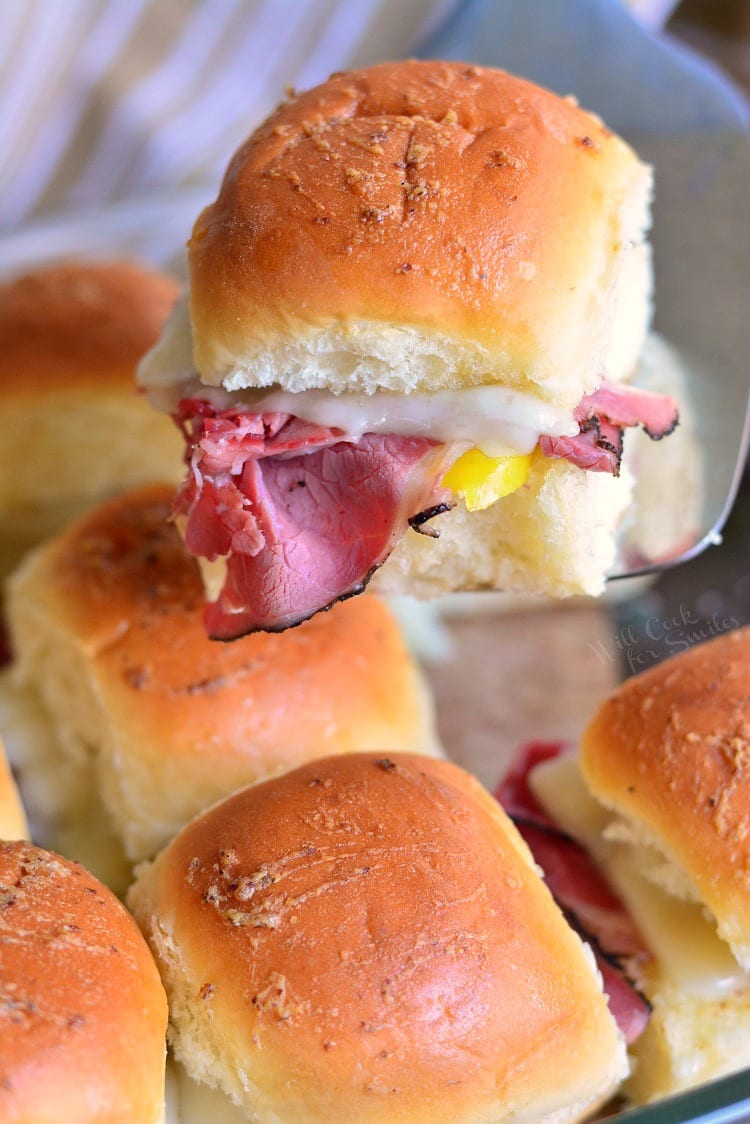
(83, 1010)
(659, 798)
(411, 311)
(366, 939)
(148, 721)
(74, 429)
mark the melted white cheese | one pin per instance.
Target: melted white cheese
(499, 421)
(681, 938)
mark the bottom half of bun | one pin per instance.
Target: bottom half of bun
(556, 535)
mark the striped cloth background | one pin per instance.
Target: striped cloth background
(102, 100)
(105, 99)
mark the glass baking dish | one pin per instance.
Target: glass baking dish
(678, 114)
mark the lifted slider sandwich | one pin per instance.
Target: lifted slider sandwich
(411, 308)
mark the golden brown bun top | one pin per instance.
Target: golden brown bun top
(370, 941)
(453, 199)
(79, 324)
(671, 749)
(83, 1012)
(122, 583)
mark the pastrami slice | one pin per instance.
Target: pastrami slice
(303, 515)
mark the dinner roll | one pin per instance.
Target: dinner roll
(83, 1011)
(74, 428)
(669, 752)
(659, 796)
(366, 938)
(454, 226)
(106, 624)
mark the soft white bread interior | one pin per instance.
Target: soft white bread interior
(555, 536)
(667, 823)
(74, 428)
(106, 624)
(558, 534)
(84, 1012)
(366, 938)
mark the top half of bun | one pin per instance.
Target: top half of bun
(79, 326)
(669, 751)
(419, 226)
(83, 1010)
(366, 938)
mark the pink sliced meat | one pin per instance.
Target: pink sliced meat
(602, 416)
(597, 447)
(514, 792)
(627, 1006)
(579, 888)
(627, 406)
(303, 515)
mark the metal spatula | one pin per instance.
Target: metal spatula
(688, 121)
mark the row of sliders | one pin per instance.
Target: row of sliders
(370, 936)
(83, 1013)
(331, 922)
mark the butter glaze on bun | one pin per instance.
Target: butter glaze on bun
(366, 938)
(669, 752)
(83, 1011)
(74, 428)
(453, 226)
(106, 622)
